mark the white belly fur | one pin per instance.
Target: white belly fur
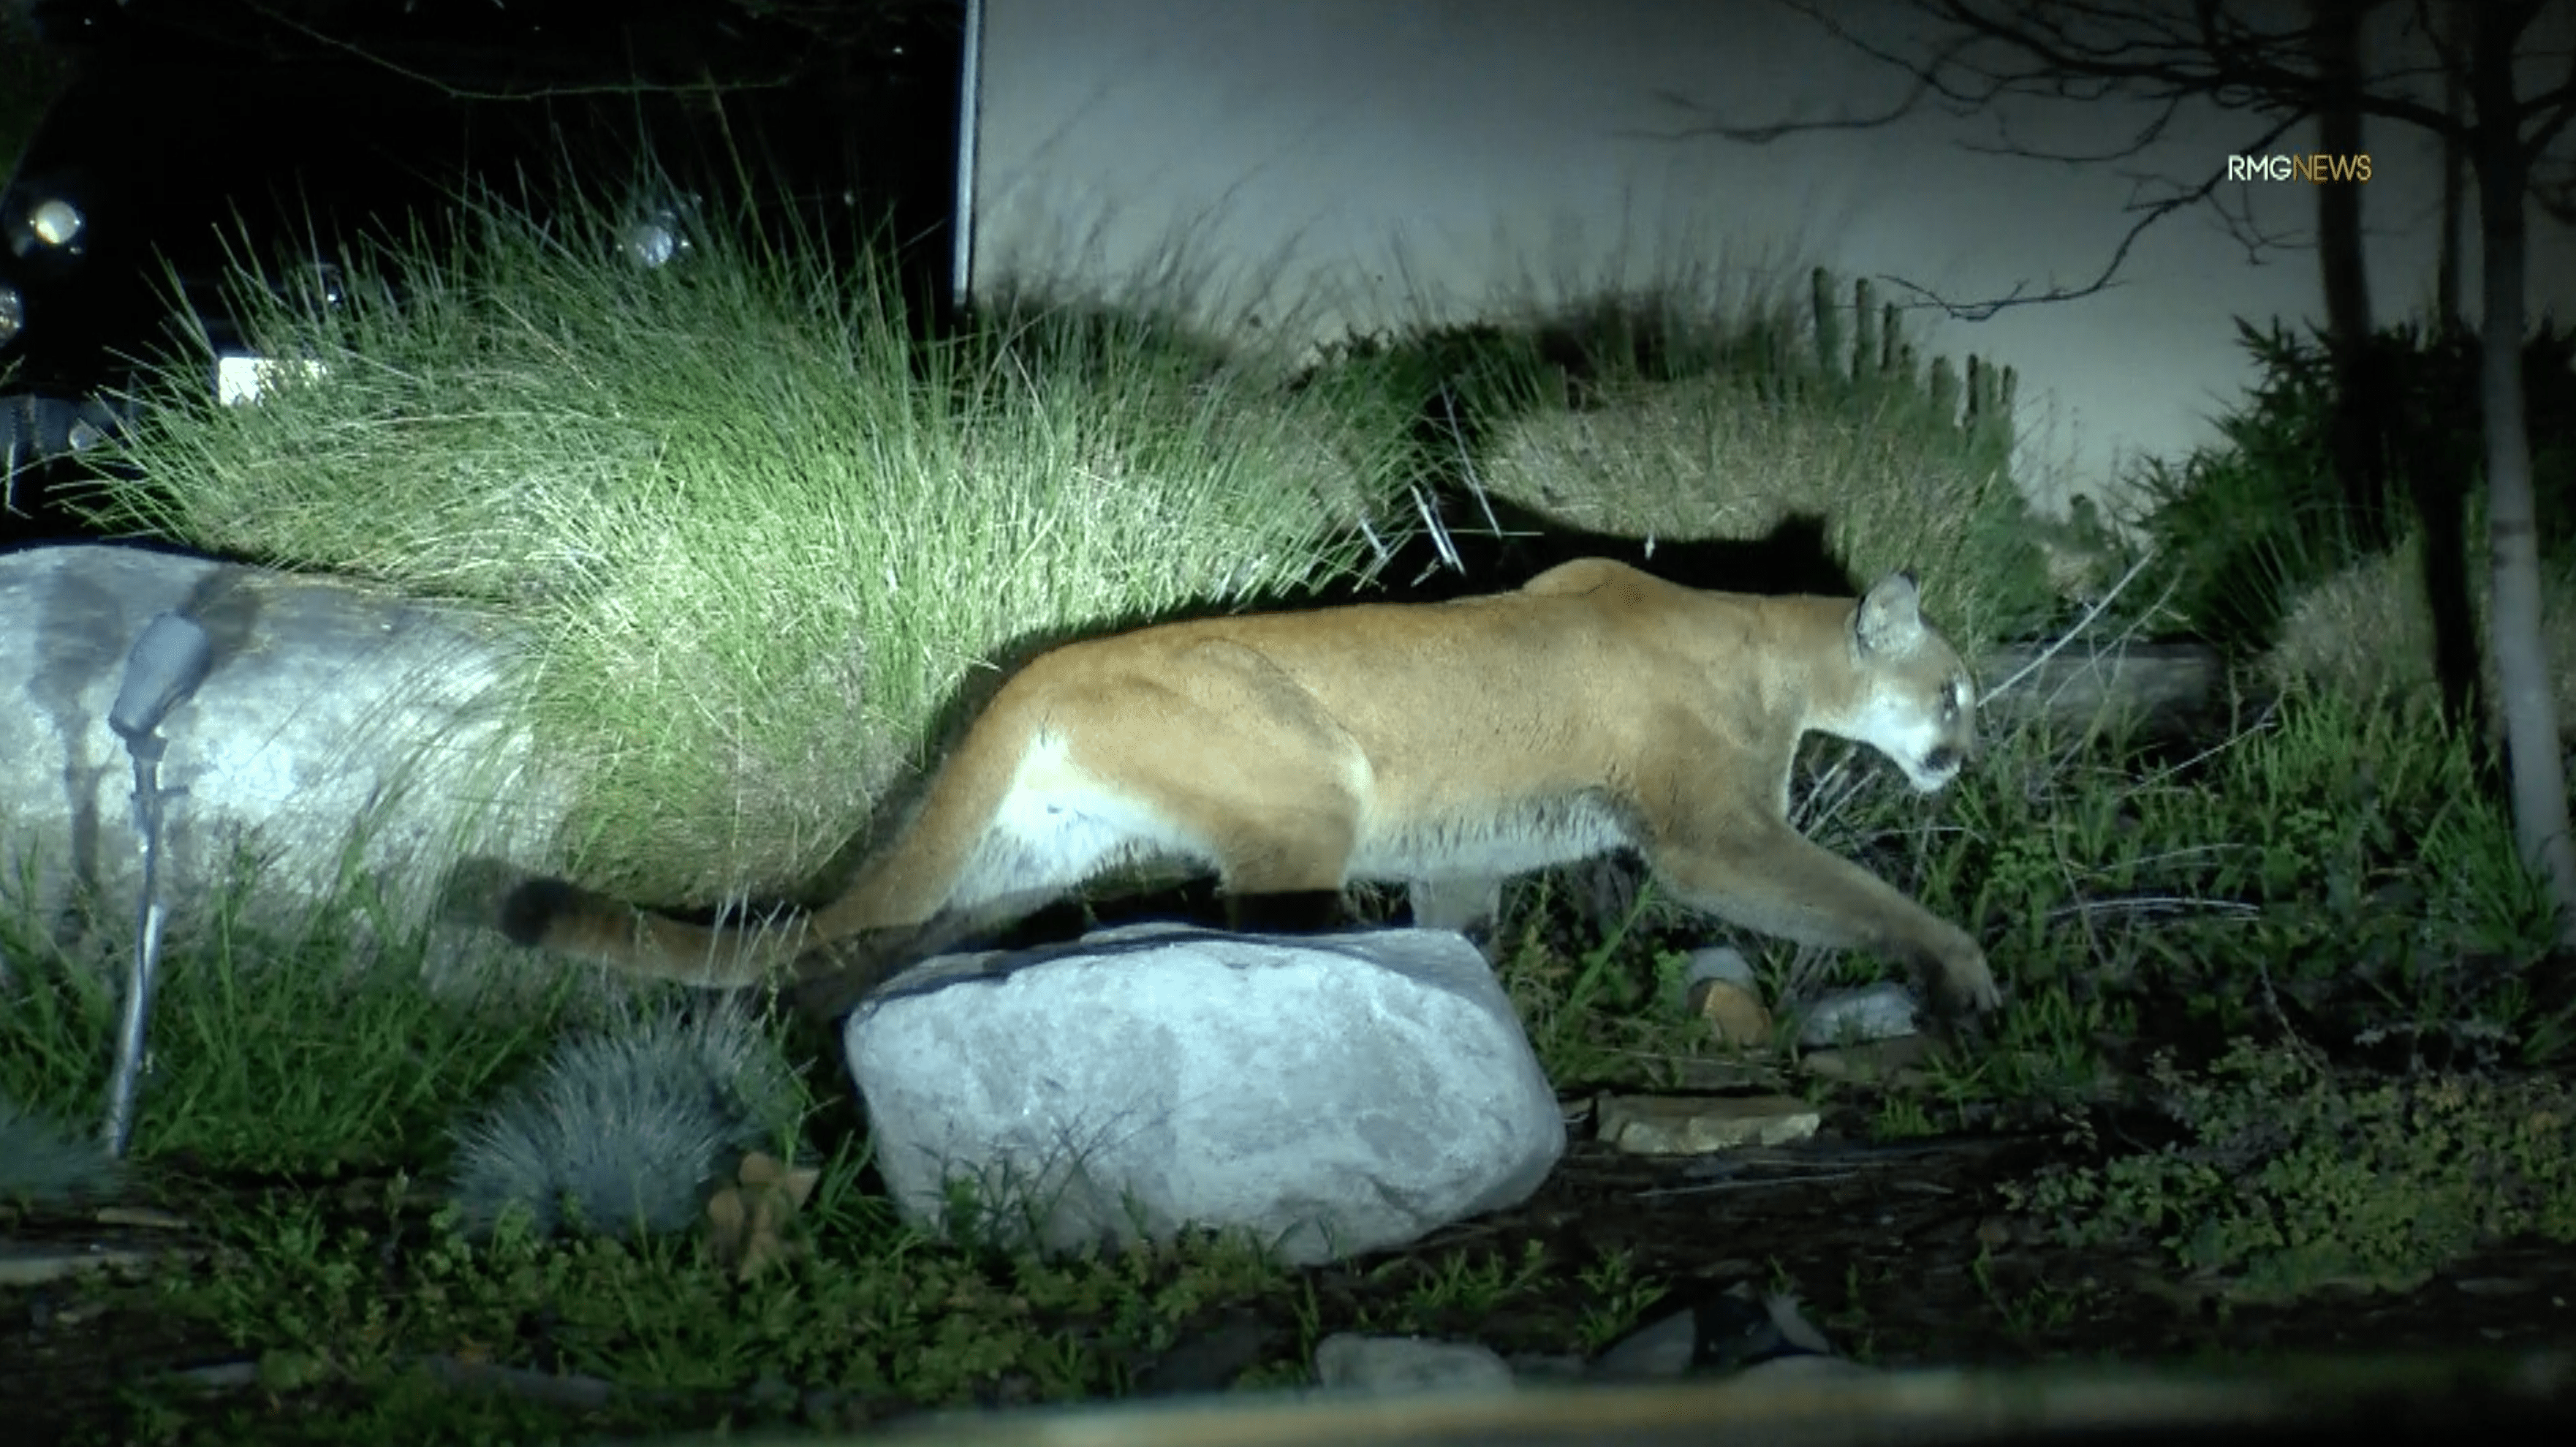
(1514, 838)
(1058, 827)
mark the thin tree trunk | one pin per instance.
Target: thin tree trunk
(2447, 310)
(2335, 40)
(2439, 494)
(2363, 423)
(2537, 770)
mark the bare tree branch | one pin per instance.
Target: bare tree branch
(1926, 83)
(544, 92)
(2555, 192)
(2240, 225)
(2557, 107)
(2167, 55)
(2147, 135)
(1765, 135)
(2086, 51)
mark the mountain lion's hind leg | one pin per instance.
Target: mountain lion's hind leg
(1285, 875)
(1470, 906)
(1767, 876)
(1268, 788)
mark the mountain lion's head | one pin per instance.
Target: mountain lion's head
(1913, 699)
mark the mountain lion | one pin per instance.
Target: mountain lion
(1447, 745)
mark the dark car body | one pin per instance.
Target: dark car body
(192, 141)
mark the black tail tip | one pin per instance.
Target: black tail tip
(528, 910)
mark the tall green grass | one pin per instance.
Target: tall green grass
(1713, 405)
(319, 1050)
(758, 528)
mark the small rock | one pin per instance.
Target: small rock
(1671, 1125)
(140, 1216)
(1389, 1366)
(1880, 1012)
(1718, 962)
(1659, 1350)
(1792, 1365)
(2495, 1285)
(216, 1376)
(1531, 1369)
(1880, 1062)
(36, 1263)
(1730, 1333)
(1734, 1014)
(1209, 1357)
(1792, 1324)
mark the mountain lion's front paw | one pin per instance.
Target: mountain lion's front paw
(1966, 986)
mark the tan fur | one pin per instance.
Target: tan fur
(1447, 745)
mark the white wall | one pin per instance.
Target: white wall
(1331, 164)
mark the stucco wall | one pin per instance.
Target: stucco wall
(1323, 164)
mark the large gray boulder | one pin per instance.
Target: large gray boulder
(1330, 1094)
(339, 728)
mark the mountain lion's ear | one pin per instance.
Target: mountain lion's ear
(1890, 619)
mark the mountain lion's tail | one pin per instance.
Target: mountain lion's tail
(892, 913)
(551, 914)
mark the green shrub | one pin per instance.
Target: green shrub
(47, 1163)
(624, 1128)
(2367, 633)
(1686, 414)
(2293, 1178)
(2250, 523)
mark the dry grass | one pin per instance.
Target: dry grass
(2368, 633)
(1711, 457)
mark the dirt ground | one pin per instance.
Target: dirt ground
(1904, 1254)
(1883, 1244)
